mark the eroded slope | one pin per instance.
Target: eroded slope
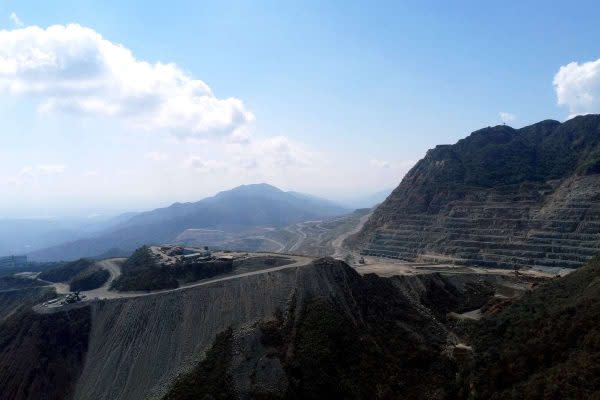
(500, 197)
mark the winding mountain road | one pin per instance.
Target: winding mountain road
(114, 267)
(338, 243)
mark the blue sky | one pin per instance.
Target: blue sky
(335, 98)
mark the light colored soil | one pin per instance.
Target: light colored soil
(114, 267)
(138, 345)
(473, 315)
(391, 267)
(338, 244)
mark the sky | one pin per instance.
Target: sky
(109, 107)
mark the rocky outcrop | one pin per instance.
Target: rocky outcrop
(343, 336)
(546, 345)
(139, 347)
(499, 198)
(291, 333)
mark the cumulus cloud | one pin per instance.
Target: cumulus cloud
(577, 87)
(71, 68)
(264, 156)
(277, 154)
(380, 163)
(281, 152)
(506, 117)
(197, 164)
(16, 20)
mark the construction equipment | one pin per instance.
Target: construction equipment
(73, 297)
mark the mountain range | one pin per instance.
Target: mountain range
(244, 207)
(315, 328)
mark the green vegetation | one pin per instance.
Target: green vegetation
(89, 279)
(142, 272)
(370, 344)
(544, 346)
(546, 150)
(64, 272)
(209, 379)
(501, 157)
(82, 274)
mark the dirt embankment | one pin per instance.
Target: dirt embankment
(138, 346)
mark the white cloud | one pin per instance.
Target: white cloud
(380, 163)
(254, 158)
(281, 152)
(197, 164)
(16, 20)
(71, 68)
(506, 117)
(156, 156)
(577, 87)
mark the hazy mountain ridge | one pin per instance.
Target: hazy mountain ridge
(237, 209)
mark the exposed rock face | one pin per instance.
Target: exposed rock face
(318, 330)
(340, 336)
(500, 197)
(138, 347)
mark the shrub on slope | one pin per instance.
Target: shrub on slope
(67, 271)
(142, 272)
(90, 279)
(545, 345)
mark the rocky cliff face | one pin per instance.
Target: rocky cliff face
(295, 333)
(317, 331)
(499, 197)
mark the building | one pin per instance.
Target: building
(13, 262)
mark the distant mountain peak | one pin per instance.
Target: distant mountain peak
(243, 207)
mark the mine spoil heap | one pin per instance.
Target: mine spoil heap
(499, 198)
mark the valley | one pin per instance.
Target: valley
(133, 331)
(453, 277)
(209, 200)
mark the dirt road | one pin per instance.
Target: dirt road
(387, 267)
(298, 230)
(338, 243)
(113, 266)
